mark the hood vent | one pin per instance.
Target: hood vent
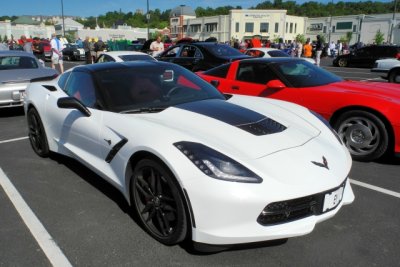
(263, 127)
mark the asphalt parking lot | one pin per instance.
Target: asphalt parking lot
(91, 224)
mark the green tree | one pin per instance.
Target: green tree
(301, 38)
(379, 37)
(349, 35)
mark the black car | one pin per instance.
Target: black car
(366, 56)
(199, 56)
(73, 52)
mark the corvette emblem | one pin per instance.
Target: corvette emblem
(324, 163)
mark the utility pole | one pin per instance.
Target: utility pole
(62, 14)
(393, 22)
(148, 21)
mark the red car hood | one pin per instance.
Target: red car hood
(378, 89)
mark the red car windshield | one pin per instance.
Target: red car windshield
(300, 73)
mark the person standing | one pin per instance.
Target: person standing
(99, 47)
(157, 46)
(56, 56)
(299, 49)
(318, 49)
(26, 45)
(307, 49)
(339, 47)
(86, 47)
(332, 48)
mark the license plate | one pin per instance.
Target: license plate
(333, 199)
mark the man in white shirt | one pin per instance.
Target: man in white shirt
(56, 57)
(157, 46)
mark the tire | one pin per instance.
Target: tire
(158, 202)
(364, 134)
(37, 134)
(342, 62)
(394, 76)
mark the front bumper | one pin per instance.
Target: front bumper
(240, 230)
(12, 94)
(385, 72)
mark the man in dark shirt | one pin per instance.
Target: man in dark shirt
(38, 49)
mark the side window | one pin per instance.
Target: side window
(63, 80)
(101, 59)
(255, 73)
(220, 71)
(190, 51)
(172, 52)
(80, 85)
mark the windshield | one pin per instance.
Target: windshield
(301, 73)
(136, 57)
(16, 62)
(152, 86)
(222, 50)
(277, 53)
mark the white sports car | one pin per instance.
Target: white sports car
(218, 169)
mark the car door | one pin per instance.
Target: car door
(170, 55)
(75, 132)
(361, 57)
(189, 57)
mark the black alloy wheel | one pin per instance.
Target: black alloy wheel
(394, 76)
(37, 134)
(342, 62)
(364, 134)
(158, 202)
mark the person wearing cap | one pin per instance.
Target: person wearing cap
(56, 56)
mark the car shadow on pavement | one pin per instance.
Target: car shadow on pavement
(11, 112)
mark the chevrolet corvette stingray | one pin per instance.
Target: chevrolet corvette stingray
(366, 115)
(193, 163)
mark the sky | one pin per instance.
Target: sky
(87, 8)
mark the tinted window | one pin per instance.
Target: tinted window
(135, 57)
(304, 74)
(255, 53)
(222, 50)
(152, 85)
(63, 80)
(80, 85)
(220, 71)
(190, 51)
(255, 73)
(16, 62)
(171, 52)
(277, 53)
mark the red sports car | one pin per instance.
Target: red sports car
(366, 115)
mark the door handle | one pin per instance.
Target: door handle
(235, 87)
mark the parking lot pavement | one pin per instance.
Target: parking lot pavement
(91, 222)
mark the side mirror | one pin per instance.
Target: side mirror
(215, 83)
(275, 84)
(73, 103)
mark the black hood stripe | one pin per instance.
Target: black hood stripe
(243, 118)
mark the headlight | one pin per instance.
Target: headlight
(216, 164)
(324, 121)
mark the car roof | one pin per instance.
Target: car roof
(119, 65)
(271, 60)
(124, 53)
(16, 53)
(263, 49)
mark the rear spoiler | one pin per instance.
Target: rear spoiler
(45, 78)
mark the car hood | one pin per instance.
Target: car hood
(232, 127)
(381, 90)
(24, 75)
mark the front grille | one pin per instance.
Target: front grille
(294, 209)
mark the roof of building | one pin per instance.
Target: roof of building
(25, 20)
(182, 10)
(69, 22)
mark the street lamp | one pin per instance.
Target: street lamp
(62, 14)
(393, 22)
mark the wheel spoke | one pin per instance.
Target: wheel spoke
(141, 190)
(145, 184)
(151, 215)
(153, 181)
(147, 208)
(161, 223)
(169, 208)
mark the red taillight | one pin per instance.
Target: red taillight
(397, 56)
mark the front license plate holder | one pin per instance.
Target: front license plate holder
(332, 199)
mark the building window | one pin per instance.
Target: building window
(295, 28)
(287, 27)
(324, 30)
(237, 27)
(249, 27)
(354, 28)
(195, 28)
(291, 27)
(264, 27)
(211, 27)
(333, 28)
(276, 27)
(344, 25)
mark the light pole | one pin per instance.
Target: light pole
(62, 14)
(393, 22)
(148, 21)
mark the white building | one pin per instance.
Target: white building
(41, 31)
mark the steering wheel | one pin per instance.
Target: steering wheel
(173, 91)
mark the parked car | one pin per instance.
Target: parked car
(365, 115)
(47, 50)
(197, 56)
(73, 52)
(367, 55)
(17, 69)
(265, 52)
(389, 68)
(148, 128)
(121, 56)
(135, 47)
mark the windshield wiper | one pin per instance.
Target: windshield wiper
(143, 110)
